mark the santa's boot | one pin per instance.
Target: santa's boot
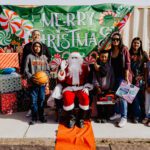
(70, 118)
(81, 117)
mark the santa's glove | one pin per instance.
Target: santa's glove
(63, 65)
(86, 90)
(88, 86)
(61, 75)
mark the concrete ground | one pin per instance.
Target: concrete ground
(15, 129)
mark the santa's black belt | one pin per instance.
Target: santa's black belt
(77, 85)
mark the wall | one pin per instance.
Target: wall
(138, 25)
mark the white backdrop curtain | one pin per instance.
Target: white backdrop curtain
(138, 25)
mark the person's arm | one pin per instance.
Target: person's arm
(47, 66)
(127, 63)
(26, 70)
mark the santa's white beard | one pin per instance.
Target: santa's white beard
(74, 71)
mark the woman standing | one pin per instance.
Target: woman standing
(138, 58)
(120, 61)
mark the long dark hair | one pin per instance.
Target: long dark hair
(140, 49)
(121, 45)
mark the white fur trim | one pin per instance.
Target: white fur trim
(75, 54)
(57, 92)
(84, 107)
(61, 77)
(67, 108)
(73, 88)
(89, 86)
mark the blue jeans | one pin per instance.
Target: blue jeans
(136, 105)
(120, 107)
(37, 101)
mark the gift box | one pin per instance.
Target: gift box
(10, 83)
(8, 103)
(9, 60)
(106, 99)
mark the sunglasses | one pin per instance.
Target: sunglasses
(115, 39)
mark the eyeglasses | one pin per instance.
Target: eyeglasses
(74, 57)
(115, 39)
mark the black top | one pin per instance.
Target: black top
(117, 65)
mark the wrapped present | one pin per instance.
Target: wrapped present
(106, 99)
(9, 60)
(8, 103)
(10, 83)
(24, 101)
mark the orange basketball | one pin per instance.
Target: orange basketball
(40, 78)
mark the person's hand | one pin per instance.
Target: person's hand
(85, 90)
(138, 78)
(127, 80)
(98, 90)
(63, 65)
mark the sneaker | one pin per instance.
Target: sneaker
(32, 122)
(115, 116)
(122, 122)
(98, 120)
(28, 113)
(103, 121)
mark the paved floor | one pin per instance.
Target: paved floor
(16, 126)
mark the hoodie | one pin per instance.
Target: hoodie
(28, 50)
(34, 63)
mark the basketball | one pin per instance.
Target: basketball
(40, 78)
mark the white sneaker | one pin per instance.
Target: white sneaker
(115, 116)
(122, 122)
(28, 113)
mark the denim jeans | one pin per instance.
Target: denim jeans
(37, 98)
(147, 104)
(136, 105)
(121, 107)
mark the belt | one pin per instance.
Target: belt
(77, 85)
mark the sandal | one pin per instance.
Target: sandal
(145, 120)
(148, 123)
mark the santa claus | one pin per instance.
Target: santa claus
(74, 77)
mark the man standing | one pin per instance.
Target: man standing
(73, 77)
(36, 36)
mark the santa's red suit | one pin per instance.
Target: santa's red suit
(75, 86)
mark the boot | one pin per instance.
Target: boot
(83, 115)
(71, 120)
